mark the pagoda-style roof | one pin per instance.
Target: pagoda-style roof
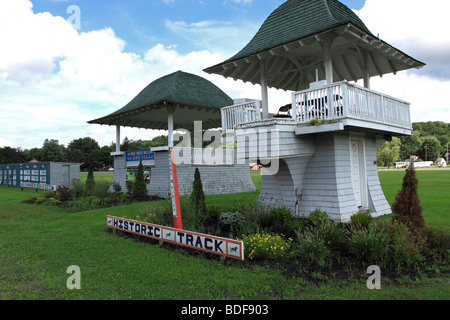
(190, 97)
(291, 44)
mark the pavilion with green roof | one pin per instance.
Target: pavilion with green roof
(172, 102)
(175, 102)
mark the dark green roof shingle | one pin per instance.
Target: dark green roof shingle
(298, 19)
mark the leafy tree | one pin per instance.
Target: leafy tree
(198, 196)
(52, 151)
(430, 149)
(389, 152)
(410, 145)
(139, 186)
(11, 155)
(90, 182)
(81, 150)
(407, 207)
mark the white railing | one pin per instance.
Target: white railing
(233, 116)
(341, 100)
(350, 101)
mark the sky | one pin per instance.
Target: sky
(65, 62)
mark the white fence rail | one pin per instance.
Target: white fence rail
(241, 113)
(345, 100)
(331, 102)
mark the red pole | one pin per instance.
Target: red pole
(176, 209)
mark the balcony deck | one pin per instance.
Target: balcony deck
(332, 107)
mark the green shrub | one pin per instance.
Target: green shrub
(64, 194)
(310, 247)
(40, 200)
(197, 196)
(330, 233)
(407, 207)
(139, 189)
(280, 215)
(361, 219)
(266, 246)
(318, 217)
(231, 221)
(90, 182)
(437, 243)
(78, 188)
(49, 194)
(92, 200)
(53, 202)
(371, 244)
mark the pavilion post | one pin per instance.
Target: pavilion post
(170, 126)
(117, 139)
(264, 94)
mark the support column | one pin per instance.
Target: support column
(328, 62)
(170, 111)
(117, 139)
(264, 93)
(366, 70)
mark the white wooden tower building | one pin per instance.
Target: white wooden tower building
(317, 50)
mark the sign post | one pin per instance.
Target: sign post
(176, 209)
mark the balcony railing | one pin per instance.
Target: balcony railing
(233, 116)
(337, 101)
(344, 100)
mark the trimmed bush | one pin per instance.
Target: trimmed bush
(90, 182)
(407, 207)
(139, 188)
(197, 196)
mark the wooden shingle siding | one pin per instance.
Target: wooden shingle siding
(217, 179)
(378, 204)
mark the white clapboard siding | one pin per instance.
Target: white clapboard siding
(379, 204)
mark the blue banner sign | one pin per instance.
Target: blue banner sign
(140, 155)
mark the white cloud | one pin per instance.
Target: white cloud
(419, 29)
(54, 79)
(416, 27)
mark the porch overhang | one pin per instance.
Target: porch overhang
(355, 53)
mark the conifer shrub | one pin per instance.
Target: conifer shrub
(139, 189)
(407, 208)
(90, 182)
(197, 195)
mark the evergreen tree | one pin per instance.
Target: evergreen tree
(197, 196)
(407, 207)
(90, 183)
(139, 186)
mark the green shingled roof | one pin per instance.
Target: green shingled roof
(197, 97)
(298, 19)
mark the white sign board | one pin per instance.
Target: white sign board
(221, 246)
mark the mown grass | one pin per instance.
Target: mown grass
(38, 243)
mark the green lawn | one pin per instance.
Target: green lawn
(38, 243)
